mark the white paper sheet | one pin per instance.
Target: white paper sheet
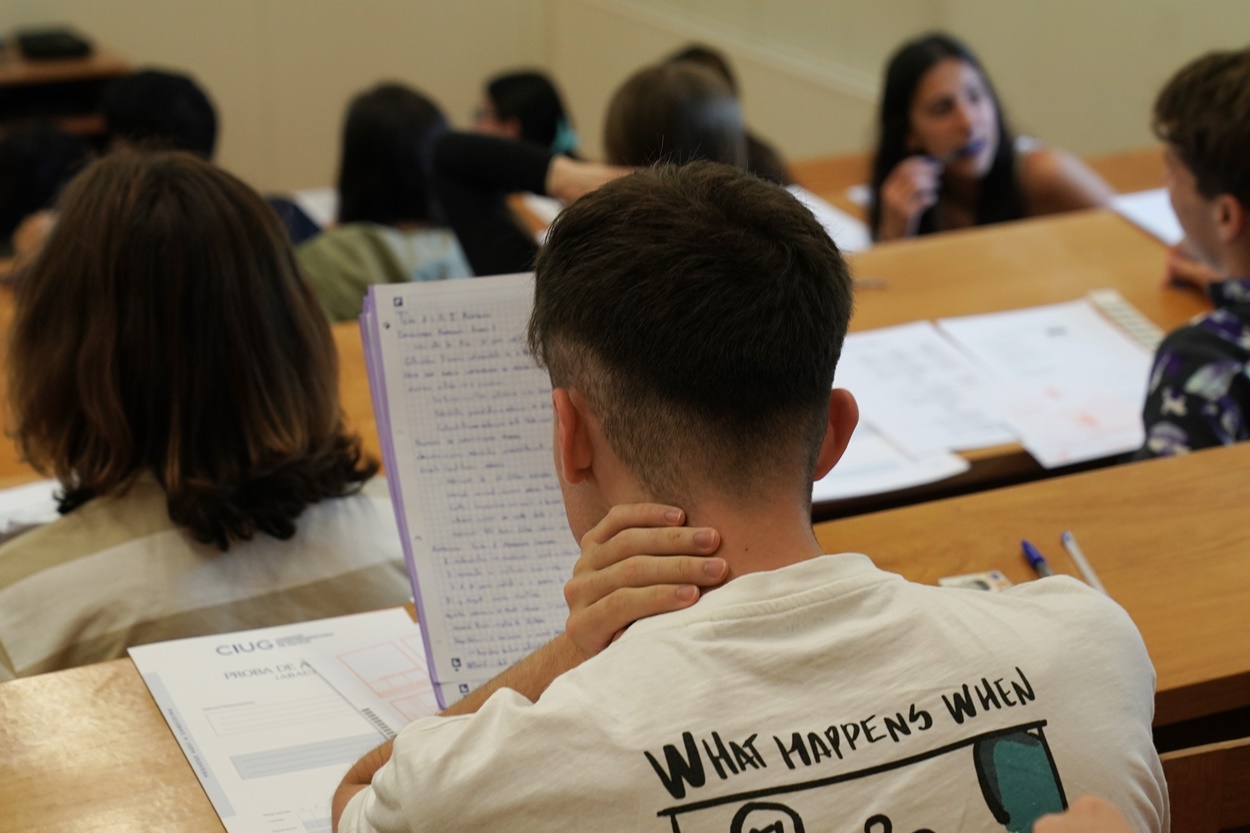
(321, 204)
(467, 416)
(849, 233)
(861, 195)
(25, 507)
(268, 738)
(385, 679)
(871, 465)
(1069, 382)
(1151, 211)
(919, 390)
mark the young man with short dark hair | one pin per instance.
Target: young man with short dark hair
(691, 319)
(1199, 392)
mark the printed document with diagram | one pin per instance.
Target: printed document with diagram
(1067, 380)
(268, 738)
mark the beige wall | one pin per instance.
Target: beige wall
(282, 71)
(1080, 73)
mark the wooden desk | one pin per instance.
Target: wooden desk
(1167, 538)
(354, 387)
(1002, 267)
(87, 750)
(68, 90)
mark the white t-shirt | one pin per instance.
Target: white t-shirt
(827, 695)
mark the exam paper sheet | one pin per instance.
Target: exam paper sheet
(268, 738)
(872, 465)
(386, 678)
(919, 390)
(1152, 212)
(1069, 382)
(849, 233)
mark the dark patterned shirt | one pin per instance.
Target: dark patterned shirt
(1199, 392)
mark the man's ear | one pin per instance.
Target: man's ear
(1230, 217)
(843, 417)
(574, 451)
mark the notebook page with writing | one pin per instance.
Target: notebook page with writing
(465, 419)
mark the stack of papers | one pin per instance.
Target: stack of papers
(1069, 382)
(1060, 379)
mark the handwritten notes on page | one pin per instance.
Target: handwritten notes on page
(1069, 382)
(1152, 212)
(267, 737)
(465, 420)
(919, 390)
(849, 233)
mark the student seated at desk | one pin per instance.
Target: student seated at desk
(155, 108)
(36, 162)
(1199, 392)
(525, 106)
(674, 113)
(690, 319)
(946, 159)
(388, 225)
(168, 365)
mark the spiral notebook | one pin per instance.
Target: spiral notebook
(464, 416)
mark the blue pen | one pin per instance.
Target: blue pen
(1035, 560)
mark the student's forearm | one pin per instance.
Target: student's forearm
(357, 778)
(529, 677)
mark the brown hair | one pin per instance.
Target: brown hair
(674, 113)
(701, 311)
(1204, 112)
(165, 329)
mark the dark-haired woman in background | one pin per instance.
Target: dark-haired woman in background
(946, 159)
(525, 106)
(390, 227)
(169, 366)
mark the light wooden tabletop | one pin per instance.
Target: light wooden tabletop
(87, 750)
(1166, 537)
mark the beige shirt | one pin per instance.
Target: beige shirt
(118, 572)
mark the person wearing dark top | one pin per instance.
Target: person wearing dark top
(162, 109)
(526, 106)
(1199, 393)
(664, 113)
(36, 162)
(763, 159)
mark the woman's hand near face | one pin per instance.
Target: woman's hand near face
(909, 191)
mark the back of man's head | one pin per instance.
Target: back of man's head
(1204, 113)
(161, 110)
(701, 312)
